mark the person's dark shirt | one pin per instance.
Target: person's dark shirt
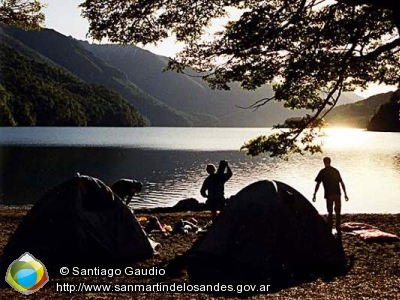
(330, 178)
(126, 187)
(214, 185)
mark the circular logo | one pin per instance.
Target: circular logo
(27, 274)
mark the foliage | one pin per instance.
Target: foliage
(76, 57)
(387, 117)
(304, 48)
(6, 116)
(189, 94)
(22, 13)
(33, 93)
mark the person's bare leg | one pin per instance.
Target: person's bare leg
(338, 208)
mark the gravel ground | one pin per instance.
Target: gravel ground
(374, 275)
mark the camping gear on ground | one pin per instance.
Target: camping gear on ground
(77, 223)
(167, 228)
(268, 233)
(184, 227)
(376, 235)
(351, 226)
(153, 225)
(368, 233)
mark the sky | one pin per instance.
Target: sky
(65, 17)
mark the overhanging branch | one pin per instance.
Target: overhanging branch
(382, 49)
(256, 105)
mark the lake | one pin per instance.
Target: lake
(171, 163)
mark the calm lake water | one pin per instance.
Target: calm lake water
(171, 163)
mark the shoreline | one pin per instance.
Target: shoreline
(375, 274)
(171, 209)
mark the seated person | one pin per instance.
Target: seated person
(126, 188)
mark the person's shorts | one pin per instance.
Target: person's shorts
(333, 202)
(215, 204)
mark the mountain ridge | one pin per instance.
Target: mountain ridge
(35, 93)
(165, 98)
(359, 113)
(67, 53)
(222, 104)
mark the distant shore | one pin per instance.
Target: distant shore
(375, 274)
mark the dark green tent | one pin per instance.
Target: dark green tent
(79, 223)
(268, 233)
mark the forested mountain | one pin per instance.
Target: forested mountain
(192, 94)
(34, 93)
(357, 114)
(387, 117)
(69, 54)
(165, 98)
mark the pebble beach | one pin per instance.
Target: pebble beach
(375, 273)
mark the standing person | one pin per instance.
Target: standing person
(331, 180)
(213, 186)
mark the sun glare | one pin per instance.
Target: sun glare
(342, 137)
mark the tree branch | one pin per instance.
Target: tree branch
(256, 105)
(382, 49)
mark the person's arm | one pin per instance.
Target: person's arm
(228, 173)
(129, 199)
(315, 192)
(344, 190)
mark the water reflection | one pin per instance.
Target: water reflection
(369, 164)
(342, 138)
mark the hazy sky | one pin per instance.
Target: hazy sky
(64, 16)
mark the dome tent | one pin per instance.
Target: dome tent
(79, 223)
(268, 233)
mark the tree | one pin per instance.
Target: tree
(387, 117)
(310, 51)
(22, 13)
